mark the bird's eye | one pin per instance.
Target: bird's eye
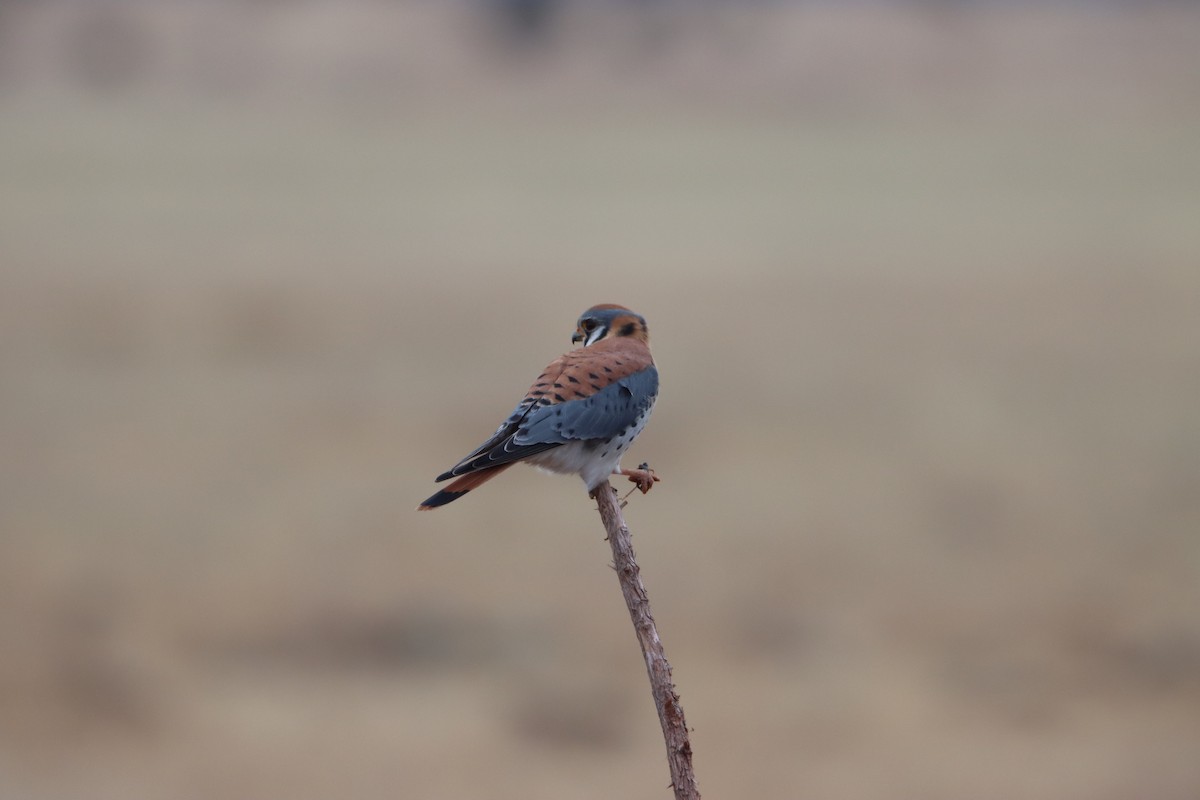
(589, 325)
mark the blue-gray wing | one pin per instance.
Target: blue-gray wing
(602, 415)
(500, 448)
(538, 424)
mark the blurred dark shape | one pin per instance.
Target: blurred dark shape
(107, 49)
(96, 680)
(526, 23)
(413, 639)
(566, 714)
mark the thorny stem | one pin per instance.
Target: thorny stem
(670, 712)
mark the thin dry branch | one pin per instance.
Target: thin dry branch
(670, 713)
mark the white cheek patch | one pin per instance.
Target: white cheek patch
(595, 335)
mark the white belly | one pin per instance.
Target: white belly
(593, 460)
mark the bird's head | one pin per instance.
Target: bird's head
(609, 321)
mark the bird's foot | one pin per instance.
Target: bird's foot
(643, 476)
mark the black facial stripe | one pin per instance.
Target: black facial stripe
(597, 333)
(603, 324)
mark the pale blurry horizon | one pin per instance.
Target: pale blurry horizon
(921, 280)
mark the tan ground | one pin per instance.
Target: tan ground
(924, 289)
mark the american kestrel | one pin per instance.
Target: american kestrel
(580, 415)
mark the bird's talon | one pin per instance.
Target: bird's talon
(643, 476)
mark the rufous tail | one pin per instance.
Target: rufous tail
(461, 486)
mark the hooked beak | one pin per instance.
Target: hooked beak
(577, 338)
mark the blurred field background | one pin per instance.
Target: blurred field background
(923, 282)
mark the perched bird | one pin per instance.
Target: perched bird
(580, 415)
